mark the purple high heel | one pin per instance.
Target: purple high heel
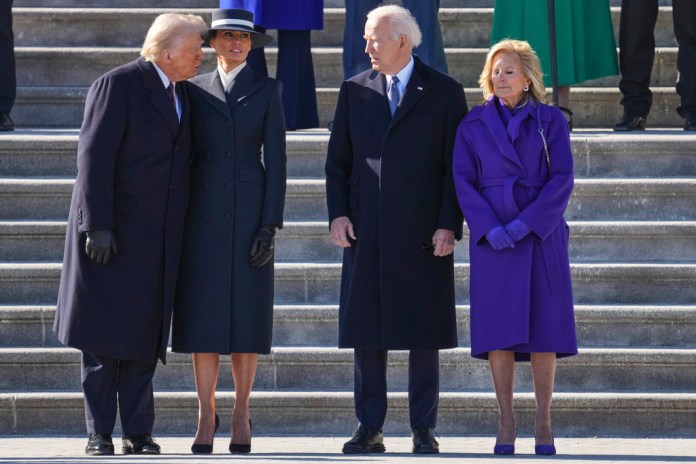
(546, 450)
(507, 449)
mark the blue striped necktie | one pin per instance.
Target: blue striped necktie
(393, 94)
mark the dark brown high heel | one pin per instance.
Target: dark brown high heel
(237, 448)
(206, 449)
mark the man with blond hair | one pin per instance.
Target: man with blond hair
(393, 209)
(124, 234)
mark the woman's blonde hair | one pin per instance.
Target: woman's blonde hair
(531, 67)
(166, 29)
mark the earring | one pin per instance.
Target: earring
(526, 88)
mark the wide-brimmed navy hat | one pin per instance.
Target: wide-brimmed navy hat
(238, 20)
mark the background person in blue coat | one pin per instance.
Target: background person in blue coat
(431, 51)
(513, 197)
(294, 21)
(224, 301)
(125, 228)
(393, 209)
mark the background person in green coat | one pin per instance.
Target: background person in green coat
(585, 44)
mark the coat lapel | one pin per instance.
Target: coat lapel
(415, 89)
(244, 85)
(491, 119)
(376, 85)
(158, 95)
(212, 91)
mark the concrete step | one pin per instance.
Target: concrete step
(603, 199)
(331, 369)
(634, 241)
(214, 4)
(63, 107)
(461, 27)
(593, 199)
(318, 283)
(598, 326)
(597, 153)
(465, 26)
(650, 414)
(41, 66)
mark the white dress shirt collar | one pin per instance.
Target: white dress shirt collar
(404, 76)
(166, 82)
(228, 77)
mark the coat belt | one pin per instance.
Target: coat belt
(548, 250)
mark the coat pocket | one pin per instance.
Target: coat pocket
(252, 175)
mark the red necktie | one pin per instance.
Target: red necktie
(170, 90)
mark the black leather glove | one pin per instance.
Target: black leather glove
(99, 245)
(262, 248)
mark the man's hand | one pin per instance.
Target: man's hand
(443, 240)
(341, 229)
(263, 246)
(99, 245)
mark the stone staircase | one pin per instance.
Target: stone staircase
(633, 250)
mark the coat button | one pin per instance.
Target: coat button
(206, 216)
(169, 225)
(229, 185)
(207, 185)
(173, 186)
(206, 124)
(229, 154)
(207, 154)
(229, 215)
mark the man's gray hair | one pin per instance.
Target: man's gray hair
(166, 29)
(401, 20)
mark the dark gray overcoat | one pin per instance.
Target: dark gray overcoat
(237, 184)
(393, 178)
(133, 162)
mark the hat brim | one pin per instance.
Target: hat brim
(258, 39)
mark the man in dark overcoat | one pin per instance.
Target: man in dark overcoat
(392, 206)
(124, 234)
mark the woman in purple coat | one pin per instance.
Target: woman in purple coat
(513, 171)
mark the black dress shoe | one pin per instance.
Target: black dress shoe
(364, 441)
(630, 122)
(424, 441)
(6, 122)
(690, 121)
(99, 445)
(142, 444)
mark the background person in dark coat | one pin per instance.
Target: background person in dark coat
(636, 55)
(125, 227)
(225, 294)
(8, 78)
(513, 197)
(431, 51)
(294, 21)
(389, 189)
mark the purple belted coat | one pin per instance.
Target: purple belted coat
(521, 297)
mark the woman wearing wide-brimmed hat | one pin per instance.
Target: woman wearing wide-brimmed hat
(225, 295)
